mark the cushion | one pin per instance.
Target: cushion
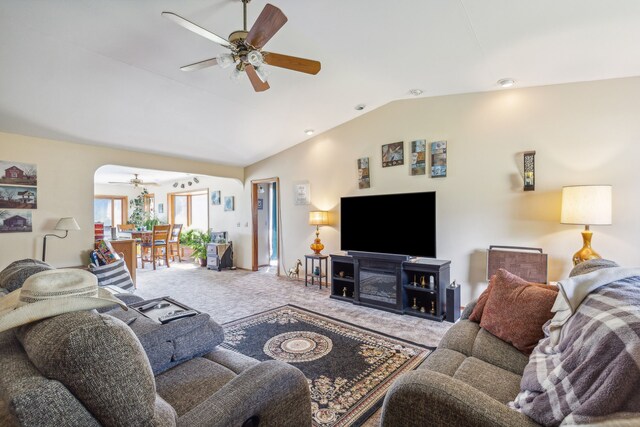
(591, 265)
(116, 274)
(496, 382)
(106, 253)
(175, 342)
(516, 311)
(12, 277)
(99, 359)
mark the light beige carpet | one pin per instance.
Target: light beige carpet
(232, 294)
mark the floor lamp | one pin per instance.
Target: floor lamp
(65, 224)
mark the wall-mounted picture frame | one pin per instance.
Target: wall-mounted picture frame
(160, 207)
(17, 173)
(364, 179)
(419, 157)
(302, 193)
(15, 221)
(215, 197)
(228, 203)
(14, 197)
(260, 204)
(439, 159)
(529, 166)
(393, 154)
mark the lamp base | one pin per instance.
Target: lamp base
(586, 253)
(317, 246)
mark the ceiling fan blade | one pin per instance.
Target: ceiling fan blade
(258, 85)
(119, 182)
(271, 19)
(196, 28)
(292, 63)
(200, 65)
(148, 183)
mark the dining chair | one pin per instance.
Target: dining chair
(125, 228)
(174, 242)
(155, 245)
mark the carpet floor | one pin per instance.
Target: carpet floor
(233, 294)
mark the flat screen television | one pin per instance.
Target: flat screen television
(403, 224)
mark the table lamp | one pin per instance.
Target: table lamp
(65, 224)
(318, 218)
(586, 205)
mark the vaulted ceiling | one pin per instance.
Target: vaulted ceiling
(108, 72)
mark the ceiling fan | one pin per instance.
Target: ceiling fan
(135, 181)
(246, 48)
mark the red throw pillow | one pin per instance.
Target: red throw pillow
(476, 314)
(515, 310)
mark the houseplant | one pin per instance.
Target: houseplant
(197, 240)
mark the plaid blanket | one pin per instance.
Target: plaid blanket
(588, 365)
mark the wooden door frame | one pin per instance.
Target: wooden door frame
(254, 220)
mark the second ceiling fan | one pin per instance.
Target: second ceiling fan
(246, 47)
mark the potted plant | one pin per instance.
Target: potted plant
(197, 240)
(138, 215)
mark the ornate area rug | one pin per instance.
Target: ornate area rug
(348, 368)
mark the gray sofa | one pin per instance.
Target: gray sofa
(466, 381)
(90, 369)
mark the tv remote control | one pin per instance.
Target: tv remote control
(176, 315)
(149, 305)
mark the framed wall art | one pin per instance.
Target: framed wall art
(302, 193)
(215, 197)
(393, 154)
(364, 180)
(16, 173)
(14, 197)
(439, 159)
(260, 204)
(15, 221)
(418, 157)
(228, 203)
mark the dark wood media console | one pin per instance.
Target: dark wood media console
(396, 283)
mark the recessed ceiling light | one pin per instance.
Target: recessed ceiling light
(360, 107)
(309, 131)
(416, 92)
(506, 82)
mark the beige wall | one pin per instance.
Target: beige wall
(65, 188)
(585, 133)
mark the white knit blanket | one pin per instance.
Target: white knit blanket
(588, 365)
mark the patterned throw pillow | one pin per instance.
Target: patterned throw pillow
(12, 277)
(115, 274)
(516, 311)
(105, 252)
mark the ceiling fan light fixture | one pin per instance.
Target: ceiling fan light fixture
(236, 74)
(262, 73)
(225, 60)
(255, 58)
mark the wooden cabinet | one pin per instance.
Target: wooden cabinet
(129, 250)
(424, 284)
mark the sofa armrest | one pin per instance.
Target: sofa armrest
(425, 397)
(273, 391)
(468, 309)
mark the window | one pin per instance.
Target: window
(111, 210)
(150, 204)
(191, 209)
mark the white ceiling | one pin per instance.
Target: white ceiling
(107, 72)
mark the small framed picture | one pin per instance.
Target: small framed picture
(260, 204)
(228, 203)
(418, 157)
(364, 179)
(160, 207)
(302, 194)
(393, 154)
(215, 197)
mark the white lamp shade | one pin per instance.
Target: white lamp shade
(68, 223)
(586, 205)
(318, 218)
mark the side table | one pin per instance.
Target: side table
(317, 270)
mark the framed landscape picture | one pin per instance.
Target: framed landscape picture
(14, 197)
(393, 154)
(16, 173)
(15, 221)
(228, 203)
